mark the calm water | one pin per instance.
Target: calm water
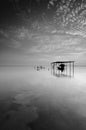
(37, 100)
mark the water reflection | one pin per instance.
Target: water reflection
(61, 74)
(36, 100)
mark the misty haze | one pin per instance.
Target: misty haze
(42, 65)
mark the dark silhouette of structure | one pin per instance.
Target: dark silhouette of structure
(62, 68)
(39, 67)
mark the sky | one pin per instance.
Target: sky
(38, 32)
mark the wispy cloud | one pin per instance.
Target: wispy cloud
(14, 44)
(77, 32)
(4, 34)
(45, 47)
(24, 33)
(55, 44)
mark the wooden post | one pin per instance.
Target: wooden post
(70, 69)
(56, 69)
(73, 68)
(66, 69)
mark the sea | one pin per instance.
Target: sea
(32, 99)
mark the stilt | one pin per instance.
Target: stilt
(73, 69)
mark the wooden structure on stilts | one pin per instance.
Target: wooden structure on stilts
(63, 68)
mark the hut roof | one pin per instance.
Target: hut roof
(62, 62)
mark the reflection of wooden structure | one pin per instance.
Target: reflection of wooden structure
(62, 68)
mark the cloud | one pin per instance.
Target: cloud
(49, 43)
(55, 44)
(45, 46)
(24, 33)
(77, 32)
(14, 44)
(3, 33)
(7, 41)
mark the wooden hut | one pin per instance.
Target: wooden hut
(62, 68)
